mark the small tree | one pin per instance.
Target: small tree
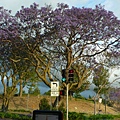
(101, 79)
(33, 89)
(44, 105)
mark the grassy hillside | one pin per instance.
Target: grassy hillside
(77, 105)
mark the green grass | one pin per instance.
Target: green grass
(14, 116)
(72, 116)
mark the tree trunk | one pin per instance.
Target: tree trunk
(21, 89)
(95, 106)
(57, 100)
(5, 104)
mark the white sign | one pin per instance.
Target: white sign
(54, 93)
(100, 100)
(55, 86)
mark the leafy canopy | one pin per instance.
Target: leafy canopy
(61, 37)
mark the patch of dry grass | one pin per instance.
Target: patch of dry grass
(76, 105)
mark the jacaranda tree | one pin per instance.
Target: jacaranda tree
(8, 32)
(64, 37)
(83, 35)
(12, 72)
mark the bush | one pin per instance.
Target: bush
(62, 107)
(84, 116)
(117, 116)
(110, 103)
(44, 105)
(8, 115)
(14, 116)
(2, 115)
(101, 117)
(77, 116)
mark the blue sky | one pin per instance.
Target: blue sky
(15, 5)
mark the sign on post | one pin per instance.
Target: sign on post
(100, 100)
(55, 88)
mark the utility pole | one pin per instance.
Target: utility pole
(67, 77)
(67, 102)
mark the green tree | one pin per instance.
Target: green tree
(34, 90)
(101, 79)
(44, 104)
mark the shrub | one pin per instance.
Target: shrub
(77, 116)
(84, 116)
(110, 103)
(19, 110)
(62, 107)
(44, 105)
(101, 117)
(8, 115)
(14, 116)
(2, 115)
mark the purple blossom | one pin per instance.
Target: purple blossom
(88, 31)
